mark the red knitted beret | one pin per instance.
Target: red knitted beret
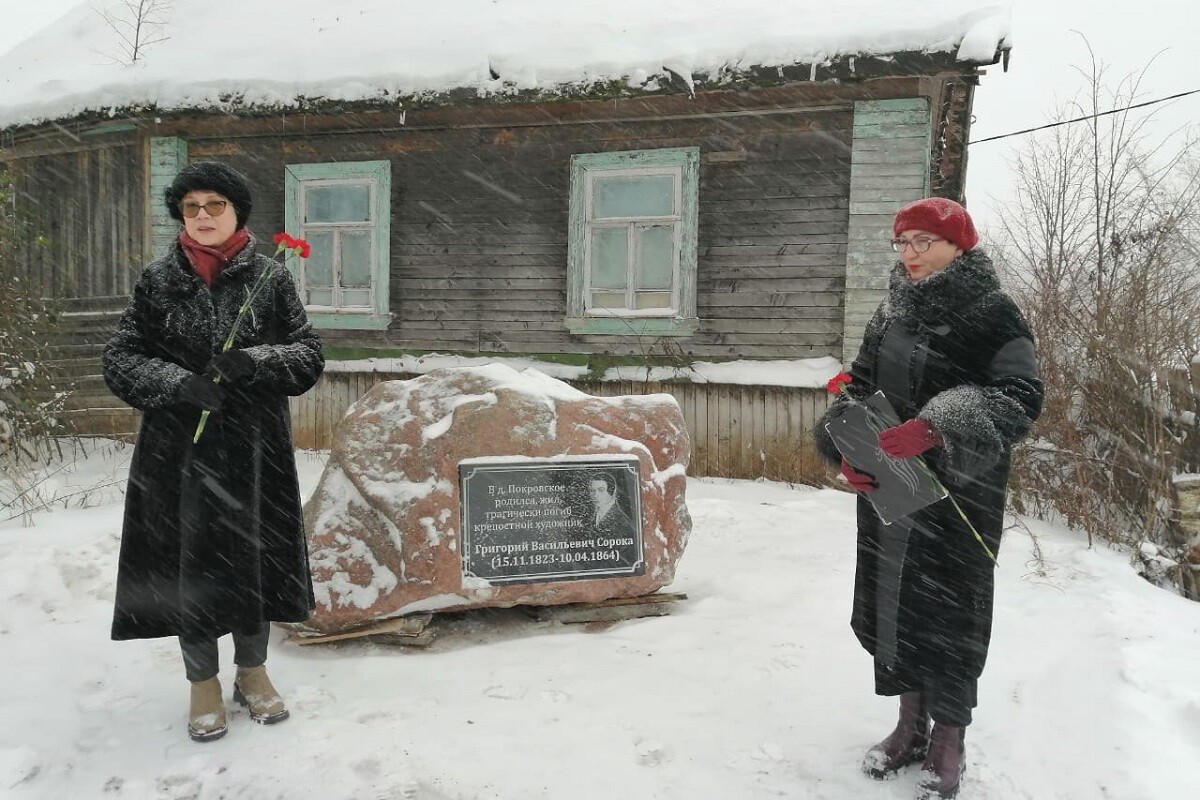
(939, 216)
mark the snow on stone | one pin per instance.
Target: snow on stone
(276, 55)
(803, 373)
(447, 405)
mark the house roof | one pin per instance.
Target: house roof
(264, 53)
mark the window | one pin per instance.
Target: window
(343, 211)
(632, 252)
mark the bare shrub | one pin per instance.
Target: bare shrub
(1104, 246)
(31, 400)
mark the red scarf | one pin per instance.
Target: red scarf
(207, 262)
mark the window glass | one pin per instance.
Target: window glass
(633, 196)
(320, 297)
(608, 300)
(356, 298)
(337, 203)
(610, 248)
(655, 256)
(647, 300)
(356, 259)
(318, 267)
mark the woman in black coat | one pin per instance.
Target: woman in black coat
(954, 356)
(213, 538)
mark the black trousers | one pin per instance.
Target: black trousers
(948, 698)
(200, 656)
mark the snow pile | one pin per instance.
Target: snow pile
(267, 53)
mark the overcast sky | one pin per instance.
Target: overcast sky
(1041, 76)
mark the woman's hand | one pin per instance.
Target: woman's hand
(862, 482)
(201, 392)
(909, 439)
(231, 366)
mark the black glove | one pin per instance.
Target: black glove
(232, 366)
(201, 392)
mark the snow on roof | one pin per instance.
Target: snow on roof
(272, 53)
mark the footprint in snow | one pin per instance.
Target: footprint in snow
(505, 692)
(18, 765)
(651, 753)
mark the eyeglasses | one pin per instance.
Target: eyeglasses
(214, 208)
(919, 245)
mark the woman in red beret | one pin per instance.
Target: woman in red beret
(955, 358)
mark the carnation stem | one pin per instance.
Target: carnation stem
(237, 321)
(929, 471)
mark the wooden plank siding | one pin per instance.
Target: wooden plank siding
(797, 185)
(479, 231)
(736, 431)
(86, 207)
(890, 167)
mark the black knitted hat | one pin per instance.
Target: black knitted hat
(210, 176)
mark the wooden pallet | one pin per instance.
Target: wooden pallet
(613, 610)
(419, 630)
(412, 631)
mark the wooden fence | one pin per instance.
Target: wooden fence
(736, 431)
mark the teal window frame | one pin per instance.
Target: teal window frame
(681, 320)
(378, 174)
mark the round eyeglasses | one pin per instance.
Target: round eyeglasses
(919, 244)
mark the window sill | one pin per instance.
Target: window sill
(633, 326)
(350, 322)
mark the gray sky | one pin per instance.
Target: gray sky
(1042, 74)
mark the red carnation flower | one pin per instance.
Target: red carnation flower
(837, 384)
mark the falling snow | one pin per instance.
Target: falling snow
(754, 688)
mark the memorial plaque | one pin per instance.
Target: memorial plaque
(551, 520)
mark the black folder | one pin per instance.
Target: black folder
(905, 484)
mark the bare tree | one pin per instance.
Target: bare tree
(1103, 241)
(138, 24)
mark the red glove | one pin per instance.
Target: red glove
(862, 482)
(909, 439)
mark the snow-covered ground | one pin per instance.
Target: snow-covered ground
(754, 688)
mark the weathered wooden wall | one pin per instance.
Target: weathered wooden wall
(82, 204)
(736, 431)
(479, 233)
(85, 208)
(480, 213)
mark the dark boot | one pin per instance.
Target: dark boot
(905, 745)
(942, 772)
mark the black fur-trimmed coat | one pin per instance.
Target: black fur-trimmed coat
(213, 536)
(954, 350)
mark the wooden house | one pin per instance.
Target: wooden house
(738, 213)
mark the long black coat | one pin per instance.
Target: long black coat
(954, 350)
(213, 538)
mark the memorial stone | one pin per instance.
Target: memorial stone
(488, 487)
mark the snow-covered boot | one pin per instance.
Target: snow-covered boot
(906, 744)
(206, 719)
(942, 772)
(252, 688)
